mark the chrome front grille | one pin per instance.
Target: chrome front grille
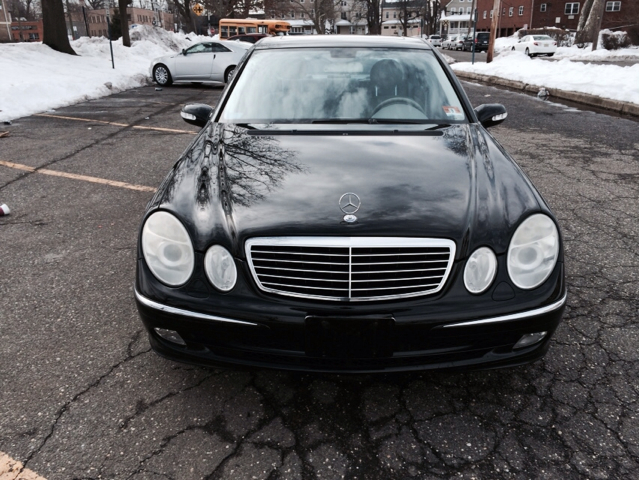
(350, 268)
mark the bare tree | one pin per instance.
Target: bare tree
(409, 10)
(54, 27)
(373, 11)
(96, 4)
(590, 22)
(124, 22)
(183, 8)
(580, 36)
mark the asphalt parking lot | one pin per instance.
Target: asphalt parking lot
(83, 397)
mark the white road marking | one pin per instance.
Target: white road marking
(115, 124)
(74, 176)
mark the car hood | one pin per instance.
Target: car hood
(457, 183)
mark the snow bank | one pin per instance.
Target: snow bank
(608, 81)
(37, 78)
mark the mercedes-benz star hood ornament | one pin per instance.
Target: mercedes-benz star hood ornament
(349, 203)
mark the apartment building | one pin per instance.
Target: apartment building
(393, 15)
(97, 23)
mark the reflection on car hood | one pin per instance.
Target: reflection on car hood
(456, 183)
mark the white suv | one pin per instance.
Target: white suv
(435, 40)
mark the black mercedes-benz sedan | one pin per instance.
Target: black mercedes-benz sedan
(344, 209)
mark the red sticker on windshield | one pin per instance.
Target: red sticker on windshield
(452, 111)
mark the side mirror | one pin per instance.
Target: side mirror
(184, 52)
(197, 114)
(491, 114)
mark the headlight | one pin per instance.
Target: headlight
(167, 249)
(533, 252)
(220, 268)
(480, 270)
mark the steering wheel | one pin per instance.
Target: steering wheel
(398, 101)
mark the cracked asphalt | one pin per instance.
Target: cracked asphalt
(83, 397)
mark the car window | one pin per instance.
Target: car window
(216, 47)
(542, 37)
(199, 48)
(312, 85)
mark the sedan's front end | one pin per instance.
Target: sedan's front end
(357, 218)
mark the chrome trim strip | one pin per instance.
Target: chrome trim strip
(514, 316)
(186, 313)
(352, 243)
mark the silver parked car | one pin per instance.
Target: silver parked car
(454, 43)
(203, 62)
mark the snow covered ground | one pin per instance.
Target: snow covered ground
(37, 79)
(607, 81)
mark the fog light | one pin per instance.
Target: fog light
(172, 336)
(530, 339)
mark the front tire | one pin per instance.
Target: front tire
(162, 75)
(528, 54)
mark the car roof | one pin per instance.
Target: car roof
(309, 41)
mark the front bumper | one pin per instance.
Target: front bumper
(407, 344)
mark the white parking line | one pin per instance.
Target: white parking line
(11, 469)
(74, 176)
(115, 124)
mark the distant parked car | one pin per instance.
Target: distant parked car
(533, 45)
(249, 37)
(203, 62)
(480, 40)
(435, 40)
(454, 43)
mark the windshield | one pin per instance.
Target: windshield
(343, 85)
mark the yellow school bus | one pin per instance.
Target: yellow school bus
(232, 26)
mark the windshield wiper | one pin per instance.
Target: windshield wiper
(383, 121)
(345, 120)
(248, 126)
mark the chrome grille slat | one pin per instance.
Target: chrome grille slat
(358, 268)
(305, 287)
(300, 253)
(386, 279)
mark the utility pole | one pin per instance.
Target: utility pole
(493, 31)
(474, 29)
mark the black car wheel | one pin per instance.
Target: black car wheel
(550, 54)
(228, 73)
(161, 75)
(527, 52)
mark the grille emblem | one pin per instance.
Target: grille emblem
(349, 203)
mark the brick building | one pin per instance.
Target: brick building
(518, 14)
(514, 15)
(24, 31)
(566, 14)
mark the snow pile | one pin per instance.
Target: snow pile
(608, 81)
(38, 78)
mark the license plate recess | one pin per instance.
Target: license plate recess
(349, 337)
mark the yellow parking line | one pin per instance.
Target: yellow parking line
(74, 176)
(11, 469)
(116, 124)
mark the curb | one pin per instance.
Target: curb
(617, 106)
